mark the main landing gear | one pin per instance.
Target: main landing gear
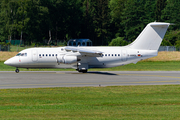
(17, 70)
(83, 71)
(82, 67)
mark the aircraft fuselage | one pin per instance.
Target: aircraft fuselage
(48, 57)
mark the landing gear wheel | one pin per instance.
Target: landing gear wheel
(83, 71)
(17, 70)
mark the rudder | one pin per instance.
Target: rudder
(151, 37)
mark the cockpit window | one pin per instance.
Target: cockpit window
(18, 54)
(21, 54)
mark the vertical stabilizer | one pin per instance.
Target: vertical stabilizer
(151, 37)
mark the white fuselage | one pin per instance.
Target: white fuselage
(48, 57)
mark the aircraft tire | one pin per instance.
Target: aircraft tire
(83, 71)
(17, 70)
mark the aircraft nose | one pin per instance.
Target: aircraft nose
(12, 62)
(7, 62)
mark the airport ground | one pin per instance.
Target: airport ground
(97, 101)
(72, 95)
(42, 79)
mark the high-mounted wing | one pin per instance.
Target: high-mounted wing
(84, 52)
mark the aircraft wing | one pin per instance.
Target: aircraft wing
(84, 52)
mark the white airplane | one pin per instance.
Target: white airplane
(82, 58)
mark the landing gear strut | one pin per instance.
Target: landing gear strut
(17, 70)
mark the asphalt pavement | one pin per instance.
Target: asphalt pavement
(39, 79)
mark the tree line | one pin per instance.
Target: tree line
(37, 21)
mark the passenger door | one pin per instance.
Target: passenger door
(34, 55)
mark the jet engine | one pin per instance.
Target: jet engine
(67, 59)
(70, 59)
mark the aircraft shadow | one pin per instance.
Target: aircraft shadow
(101, 73)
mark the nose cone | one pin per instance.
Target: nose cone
(7, 62)
(12, 62)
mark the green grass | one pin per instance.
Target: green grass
(123, 102)
(140, 66)
(117, 102)
(147, 66)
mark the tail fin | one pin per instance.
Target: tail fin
(151, 37)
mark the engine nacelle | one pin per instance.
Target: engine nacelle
(69, 59)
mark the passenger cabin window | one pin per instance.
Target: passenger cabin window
(111, 55)
(53, 55)
(49, 54)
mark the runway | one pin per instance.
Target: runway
(39, 79)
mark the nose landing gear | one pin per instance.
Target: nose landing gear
(17, 70)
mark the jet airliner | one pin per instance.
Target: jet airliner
(82, 58)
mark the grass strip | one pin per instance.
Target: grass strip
(118, 102)
(140, 66)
